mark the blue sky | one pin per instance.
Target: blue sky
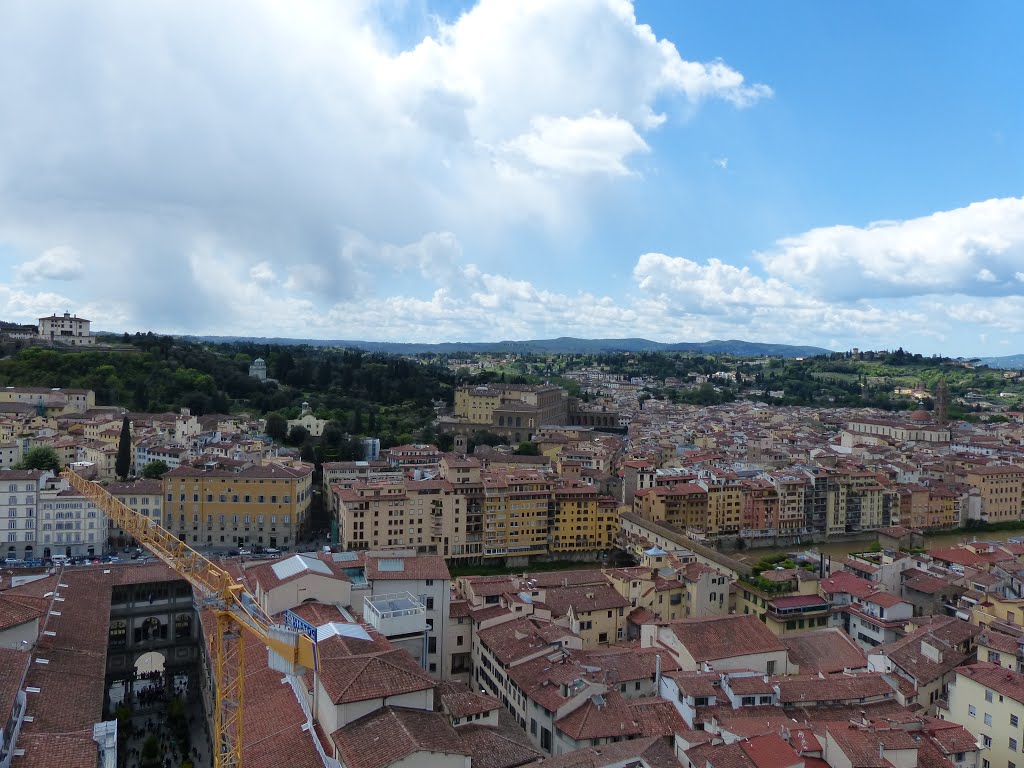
(835, 174)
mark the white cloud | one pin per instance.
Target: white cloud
(591, 144)
(976, 249)
(268, 136)
(29, 307)
(714, 286)
(263, 273)
(59, 263)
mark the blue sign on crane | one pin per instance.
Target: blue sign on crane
(300, 625)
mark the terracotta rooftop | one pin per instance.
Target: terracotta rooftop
(824, 650)
(769, 751)
(655, 752)
(1003, 681)
(602, 716)
(414, 568)
(506, 746)
(393, 734)
(722, 637)
(463, 703)
(13, 665)
(15, 610)
(800, 689)
(583, 599)
(373, 676)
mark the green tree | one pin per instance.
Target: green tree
(155, 469)
(123, 463)
(40, 457)
(528, 449)
(297, 435)
(277, 426)
(356, 424)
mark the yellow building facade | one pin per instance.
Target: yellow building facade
(1000, 490)
(515, 513)
(263, 505)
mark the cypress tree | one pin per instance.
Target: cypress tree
(124, 451)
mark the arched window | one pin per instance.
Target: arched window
(118, 634)
(182, 626)
(150, 629)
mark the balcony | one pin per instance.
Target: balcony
(797, 606)
(395, 614)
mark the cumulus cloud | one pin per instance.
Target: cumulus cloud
(301, 145)
(976, 250)
(59, 263)
(590, 144)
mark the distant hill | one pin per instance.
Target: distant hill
(564, 344)
(1008, 362)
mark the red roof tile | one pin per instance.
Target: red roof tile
(392, 734)
(373, 676)
(721, 637)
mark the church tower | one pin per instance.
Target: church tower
(942, 402)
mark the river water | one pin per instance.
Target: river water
(840, 548)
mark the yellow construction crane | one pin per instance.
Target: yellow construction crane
(290, 651)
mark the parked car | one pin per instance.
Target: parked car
(244, 552)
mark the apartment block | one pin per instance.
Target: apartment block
(684, 506)
(725, 502)
(143, 496)
(69, 524)
(22, 491)
(761, 504)
(988, 701)
(864, 502)
(264, 505)
(347, 473)
(515, 510)
(424, 514)
(580, 523)
(999, 489)
(791, 491)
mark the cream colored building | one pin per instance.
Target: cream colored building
(909, 431)
(424, 514)
(514, 410)
(282, 584)
(69, 523)
(989, 702)
(66, 329)
(308, 421)
(52, 401)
